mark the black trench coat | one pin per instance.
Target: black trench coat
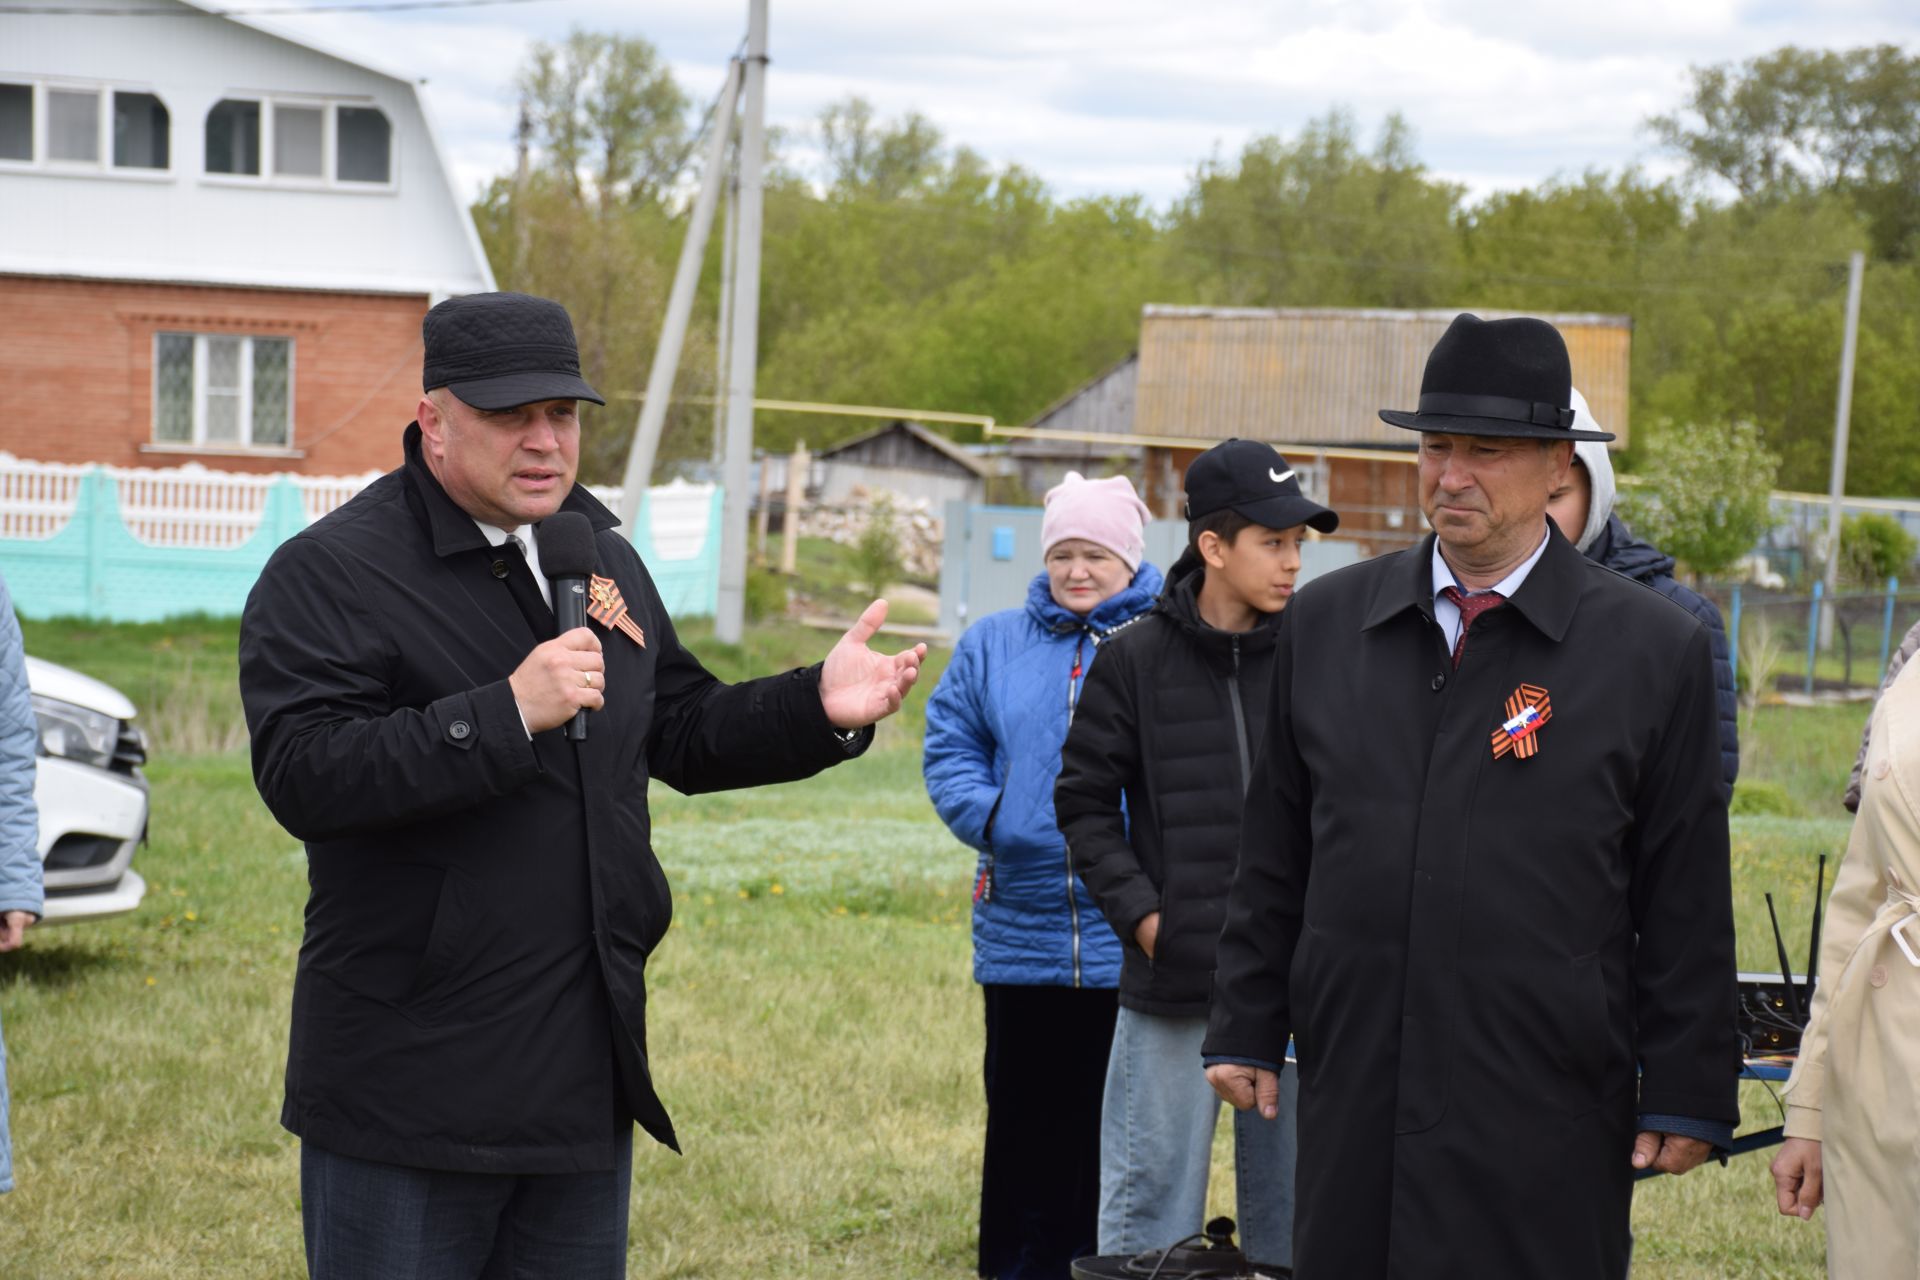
(1473, 954)
(470, 992)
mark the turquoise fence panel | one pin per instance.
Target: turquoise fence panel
(51, 577)
(685, 568)
(95, 568)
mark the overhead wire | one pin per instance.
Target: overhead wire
(188, 11)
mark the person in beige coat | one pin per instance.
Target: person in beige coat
(1853, 1103)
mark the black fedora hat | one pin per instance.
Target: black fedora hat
(1497, 378)
(499, 350)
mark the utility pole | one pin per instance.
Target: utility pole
(722, 369)
(743, 353)
(1836, 488)
(673, 330)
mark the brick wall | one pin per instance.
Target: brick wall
(76, 371)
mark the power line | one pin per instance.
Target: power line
(187, 11)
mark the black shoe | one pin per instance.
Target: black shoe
(1210, 1255)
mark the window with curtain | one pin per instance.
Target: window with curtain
(331, 143)
(298, 141)
(62, 124)
(73, 125)
(221, 390)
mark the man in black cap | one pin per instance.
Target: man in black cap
(468, 1054)
(1152, 781)
(1483, 880)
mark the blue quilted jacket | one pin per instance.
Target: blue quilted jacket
(20, 888)
(995, 726)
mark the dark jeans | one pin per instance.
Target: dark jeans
(1046, 1068)
(370, 1221)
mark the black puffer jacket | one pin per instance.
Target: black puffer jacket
(1620, 551)
(1169, 719)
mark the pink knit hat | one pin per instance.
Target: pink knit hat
(1106, 512)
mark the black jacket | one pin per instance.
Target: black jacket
(470, 992)
(1620, 551)
(1169, 719)
(1473, 953)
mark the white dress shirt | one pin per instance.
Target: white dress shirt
(529, 547)
(1447, 613)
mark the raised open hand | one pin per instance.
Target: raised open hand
(859, 686)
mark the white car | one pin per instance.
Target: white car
(91, 794)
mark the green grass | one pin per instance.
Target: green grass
(815, 1027)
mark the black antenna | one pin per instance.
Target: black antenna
(1813, 943)
(1786, 972)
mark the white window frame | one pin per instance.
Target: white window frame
(103, 166)
(199, 441)
(329, 147)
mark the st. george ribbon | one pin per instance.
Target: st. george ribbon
(566, 555)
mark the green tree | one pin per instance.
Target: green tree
(920, 276)
(1704, 499)
(876, 557)
(1874, 548)
(869, 157)
(1801, 120)
(608, 118)
(592, 222)
(1320, 221)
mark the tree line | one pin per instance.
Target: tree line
(905, 269)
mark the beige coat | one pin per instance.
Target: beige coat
(1857, 1085)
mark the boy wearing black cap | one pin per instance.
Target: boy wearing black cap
(1151, 789)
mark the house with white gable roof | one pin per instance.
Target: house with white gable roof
(217, 242)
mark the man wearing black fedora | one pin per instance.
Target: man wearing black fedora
(468, 1054)
(1483, 879)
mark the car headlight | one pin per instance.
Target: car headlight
(74, 732)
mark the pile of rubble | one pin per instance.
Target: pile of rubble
(916, 528)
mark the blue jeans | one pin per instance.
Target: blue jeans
(1156, 1146)
(370, 1221)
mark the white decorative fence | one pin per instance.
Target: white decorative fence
(36, 499)
(137, 545)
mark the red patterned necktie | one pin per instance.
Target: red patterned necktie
(1471, 607)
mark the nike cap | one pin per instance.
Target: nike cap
(1253, 479)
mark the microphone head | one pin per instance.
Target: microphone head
(566, 545)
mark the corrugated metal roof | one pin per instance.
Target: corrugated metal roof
(1306, 375)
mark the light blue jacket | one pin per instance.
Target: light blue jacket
(20, 887)
(995, 726)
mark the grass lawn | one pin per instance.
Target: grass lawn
(814, 1024)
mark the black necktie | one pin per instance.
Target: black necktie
(525, 591)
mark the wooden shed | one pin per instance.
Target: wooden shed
(1088, 430)
(1312, 380)
(907, 459)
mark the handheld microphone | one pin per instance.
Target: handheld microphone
(566, 556)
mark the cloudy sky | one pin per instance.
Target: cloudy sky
(1109, 96)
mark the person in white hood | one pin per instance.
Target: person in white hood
(1583, 509)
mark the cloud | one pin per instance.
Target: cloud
(1120, 96)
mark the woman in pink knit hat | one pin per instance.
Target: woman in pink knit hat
(1046, 959)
